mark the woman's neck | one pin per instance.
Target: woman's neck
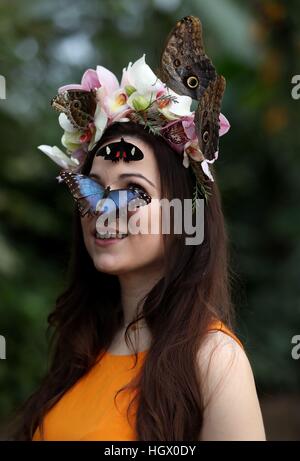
(134, 286)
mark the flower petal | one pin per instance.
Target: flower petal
(224, 125)
(115, 103)
(193, 151)
(180, 107)
(186, 161)
(71, 140)
(107, 80)
(65, 123)
(125, 76)
(90, 80)
(72, 86)
(141, 77)
(205, 165)
(121, 116)
(100, 122)
(59, 157)
(189, 127)
(206, 170)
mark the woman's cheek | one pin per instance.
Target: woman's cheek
(143, 246)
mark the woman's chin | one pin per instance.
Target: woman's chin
(107, 263)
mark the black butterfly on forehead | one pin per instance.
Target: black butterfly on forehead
(118, 150)
(78, 105)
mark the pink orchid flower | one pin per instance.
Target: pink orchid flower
(89, 82)
(110, 96)
(224, 125)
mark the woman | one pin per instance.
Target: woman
(193, 376)
(181, 374)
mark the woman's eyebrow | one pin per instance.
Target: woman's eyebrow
(124, 175)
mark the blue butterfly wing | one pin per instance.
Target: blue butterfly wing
(121, 198)
(86, 192)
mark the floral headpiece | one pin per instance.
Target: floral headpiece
(86, 110)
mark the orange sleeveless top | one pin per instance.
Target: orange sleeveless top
(87, 411)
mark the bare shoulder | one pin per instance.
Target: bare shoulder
(232, 410)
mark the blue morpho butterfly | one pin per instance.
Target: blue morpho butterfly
(118, 150)
(88, 193)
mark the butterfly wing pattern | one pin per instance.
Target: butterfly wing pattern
(184, 66)
(79, 106)
(91, 197)
(207, 117)
(116, 151)
(85, 191)
(187, 70)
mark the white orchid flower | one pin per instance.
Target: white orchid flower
(58, 156)
(178, 108)
(140, 76)
(71, 137)
(100, 122)
(113, 103)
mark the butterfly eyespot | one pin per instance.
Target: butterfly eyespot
(193, 81)
(176, 63)
(205, 136)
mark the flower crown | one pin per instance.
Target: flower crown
(86, 110)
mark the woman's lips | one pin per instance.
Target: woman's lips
(105, 241)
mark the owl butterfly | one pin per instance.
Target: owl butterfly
(79, 106)
(207, 115)
(184, 66)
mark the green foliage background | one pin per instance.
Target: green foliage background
(255, 45)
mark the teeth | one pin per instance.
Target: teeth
(108, 235)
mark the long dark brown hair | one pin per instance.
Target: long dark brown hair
(177, 310)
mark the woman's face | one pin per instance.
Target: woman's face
(137, 250)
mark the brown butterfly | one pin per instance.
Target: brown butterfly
(79, 106)
(187, 70)
(184, 66)
(207, 115)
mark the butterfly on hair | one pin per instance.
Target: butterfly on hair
(207, 123)
(184, 66)
(187, 70)
(78, 105)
